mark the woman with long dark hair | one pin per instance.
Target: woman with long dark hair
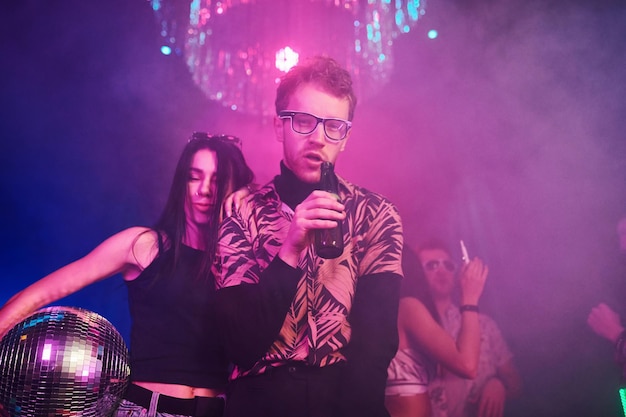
(177, 366)
(424, 344)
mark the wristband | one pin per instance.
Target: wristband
(468, 307)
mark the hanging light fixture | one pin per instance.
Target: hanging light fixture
(237, 50)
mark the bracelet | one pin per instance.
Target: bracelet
(468, 307)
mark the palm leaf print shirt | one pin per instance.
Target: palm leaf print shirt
(325, 311)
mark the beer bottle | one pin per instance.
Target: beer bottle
(329, 242)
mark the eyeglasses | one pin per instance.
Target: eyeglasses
(303, 123)
(433, 265)
(233, 140)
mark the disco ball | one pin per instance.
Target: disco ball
(62, 361)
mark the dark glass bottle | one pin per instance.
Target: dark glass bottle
(329, 242)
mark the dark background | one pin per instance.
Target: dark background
(506, 131)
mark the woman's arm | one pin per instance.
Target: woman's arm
(423, 331)
(460, 357)
(121, 253)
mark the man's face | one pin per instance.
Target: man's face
(440, 271)
(304, 154)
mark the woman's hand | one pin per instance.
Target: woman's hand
(472, 280)
(234, 200)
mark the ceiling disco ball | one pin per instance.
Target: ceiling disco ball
(62, 361)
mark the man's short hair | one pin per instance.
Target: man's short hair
(322, 71)
(434, 244)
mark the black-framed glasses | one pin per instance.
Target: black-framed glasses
(435, 264)
(233, 140)
(304, 123)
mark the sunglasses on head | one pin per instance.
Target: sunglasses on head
(233, 140)
(433, 265)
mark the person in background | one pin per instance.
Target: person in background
(310, 337)
(177, 366)
(424, 344)
(497, 377)
(605, 321)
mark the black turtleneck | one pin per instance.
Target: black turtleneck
(291, 190)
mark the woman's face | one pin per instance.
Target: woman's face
(201, 187)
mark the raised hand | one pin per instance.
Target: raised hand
(472, 279)
(605, 322)
(320, 210)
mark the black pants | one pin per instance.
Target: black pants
(291, 390)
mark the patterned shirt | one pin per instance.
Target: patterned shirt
(450, 394)
(316, 326)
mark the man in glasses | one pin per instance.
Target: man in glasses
(310, 336)
(497, 377)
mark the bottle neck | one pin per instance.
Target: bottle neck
(328, 179)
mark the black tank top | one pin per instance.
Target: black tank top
(173, 332)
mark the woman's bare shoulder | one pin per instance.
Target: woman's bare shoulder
(142, 243)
